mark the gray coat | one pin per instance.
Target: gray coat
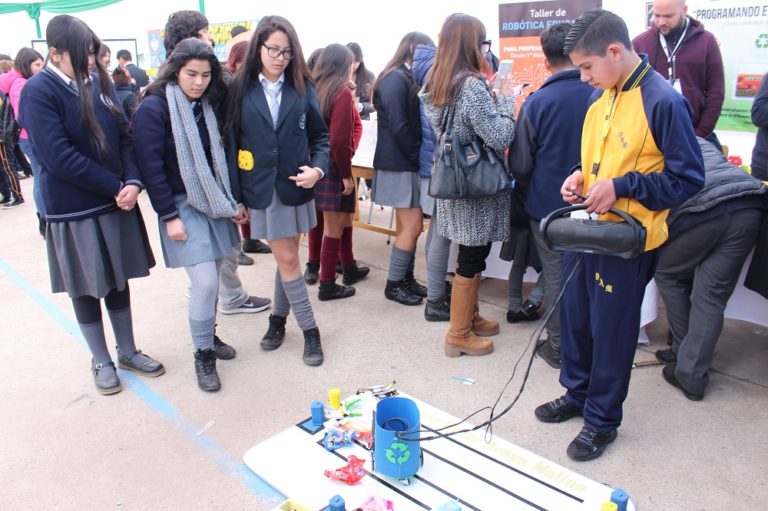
(475, 222)
(723, 182)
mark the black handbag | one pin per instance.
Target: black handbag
(465, 171)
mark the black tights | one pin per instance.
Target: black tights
(88, 308)
(471, 260)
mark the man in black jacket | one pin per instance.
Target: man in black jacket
(139, 76)
(710, 236)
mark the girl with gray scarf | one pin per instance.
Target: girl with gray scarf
(180, 154)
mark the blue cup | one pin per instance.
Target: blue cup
(397, 422)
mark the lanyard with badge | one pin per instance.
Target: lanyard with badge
(671, 55)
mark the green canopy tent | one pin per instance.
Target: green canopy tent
(58, 6)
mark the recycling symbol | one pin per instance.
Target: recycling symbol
(762, 41)
(403, 453)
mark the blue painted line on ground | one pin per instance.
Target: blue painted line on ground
(224, 460)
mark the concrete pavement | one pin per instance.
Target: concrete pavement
(164, 444)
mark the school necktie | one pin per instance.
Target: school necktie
(271, 91)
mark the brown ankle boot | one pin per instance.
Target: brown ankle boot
(460, 338)
(481, 326)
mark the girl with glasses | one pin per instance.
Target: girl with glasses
(278, 148)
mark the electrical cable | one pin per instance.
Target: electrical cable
(488, 423)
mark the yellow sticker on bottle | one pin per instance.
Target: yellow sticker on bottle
(244, 160)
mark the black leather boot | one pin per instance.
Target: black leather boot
(313, 351)
(437, 310)
(353, 273)
(273, 339)
(399, 291)
(414, 286)
(333, 291)
(205, 368)
(312, 272)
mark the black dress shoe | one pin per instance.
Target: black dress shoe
(590, 443)
(549, 354)
(312, 273)
(353, 273)
(273, 339)
(205, 369)
(140, 363)
(557, 410)
(105, 378)
(313, 351)
(666, 356)
(528, 312)
(244, 260)
(398, 291)
(668, 373)
(414, 286)
(256, 247)
(437, 310)
(223, 350)
(334, 291)
(339, 268)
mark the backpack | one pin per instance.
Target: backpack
(9, 127)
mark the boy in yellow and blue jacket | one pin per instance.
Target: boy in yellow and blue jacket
(639, 154)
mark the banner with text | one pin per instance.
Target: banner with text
(520, 28)
(741, 29)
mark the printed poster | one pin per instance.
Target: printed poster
(741, 29)
(520, 28)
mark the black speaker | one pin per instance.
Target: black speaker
(565, 234)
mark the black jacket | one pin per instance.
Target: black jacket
(301, 138)
(398, 122)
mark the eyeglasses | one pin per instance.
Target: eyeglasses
(276, 53)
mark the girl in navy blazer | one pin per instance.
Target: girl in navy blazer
(181, 157)
(89, 181)
(278, 149)
(396, 165)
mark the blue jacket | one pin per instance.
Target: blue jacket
(398, 122)
(76, 181)
(423, 58)
(156, 153)
(301, 138)
(548, 140)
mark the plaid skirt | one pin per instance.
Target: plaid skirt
(328, 195)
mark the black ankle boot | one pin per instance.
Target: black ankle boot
(312, 272)
(437, 310)
(205, 368)
(313, 351)
(275, 333)
(414, 286)
(333, 291)
(399, 291)
(353, 273)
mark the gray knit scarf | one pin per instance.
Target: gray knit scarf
(207, 192)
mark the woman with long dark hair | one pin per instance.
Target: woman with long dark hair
(456, 85)
(334, 195)
(364, 80)
(181, 157)
(396, 165)
(95, 234)
(277, 144)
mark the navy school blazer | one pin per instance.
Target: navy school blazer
(301, 138)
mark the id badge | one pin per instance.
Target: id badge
(677, 86)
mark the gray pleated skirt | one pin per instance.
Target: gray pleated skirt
(428, 203)
(396, 189)
(93, 256)
(207, 238)
(280, 221)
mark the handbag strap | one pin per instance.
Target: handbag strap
(448, 121)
